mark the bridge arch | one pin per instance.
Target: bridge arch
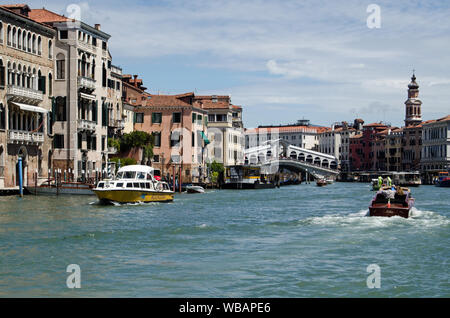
(325, 163)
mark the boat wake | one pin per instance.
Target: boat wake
(417, 218)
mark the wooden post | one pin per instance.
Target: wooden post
(180, 179)
(173, 174)
(35, 183)
(20, 177)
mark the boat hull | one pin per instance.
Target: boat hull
(133, 196)
(385, 211)
(244, 185)
(443, 184)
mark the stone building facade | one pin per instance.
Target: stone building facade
(87, 90)
(26, 92)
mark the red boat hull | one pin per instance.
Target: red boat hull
(380, 209)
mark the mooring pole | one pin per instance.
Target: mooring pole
(20, 177)
(35, 183)
(180, 179)
(173, 170)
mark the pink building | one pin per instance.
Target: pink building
(178, 126)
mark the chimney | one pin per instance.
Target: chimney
(97, 26)
(135, 80)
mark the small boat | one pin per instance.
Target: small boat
(406, 179)
(329, 180)
(392, 201)
(132, 184)
(194, 189)
(77, 188)
(321, 182)
(443, 180)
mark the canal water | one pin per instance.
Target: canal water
(296, 241)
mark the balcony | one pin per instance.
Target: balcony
(86, 46)
(26, 95)
(112, 150)
(18, 136)
(116, 123)
(86, 82)
(84, 124)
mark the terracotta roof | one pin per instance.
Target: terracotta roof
(376, 125)
(10, 7)
(287, 129)
(357, 136)
(45, 16)
(236, 107)
(165, 101)
(444, 118)
(185, 94)
(15, 6)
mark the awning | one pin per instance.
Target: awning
(30, 108)
(87, 96)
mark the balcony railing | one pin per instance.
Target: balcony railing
(86, 82)
(84, 124)
(26, 93)
(26, 136)
(86, 46)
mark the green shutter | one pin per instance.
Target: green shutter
(194, 117)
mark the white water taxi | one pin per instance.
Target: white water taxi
(135, 183)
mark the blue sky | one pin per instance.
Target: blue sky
(284, 60)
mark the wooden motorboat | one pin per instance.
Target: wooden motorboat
(321, 182)
(392, 201)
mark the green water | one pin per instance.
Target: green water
(296, 241)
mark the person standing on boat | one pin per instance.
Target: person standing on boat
(380, 181)
(389, 182)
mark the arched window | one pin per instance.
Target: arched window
(24, 41)
(8, 35)
(14, 37)
(93, 69)
(50, 49)
(34, 44)
(60, 66)
(1, 32)
(39, 48)
(29, 45)
(19, 39)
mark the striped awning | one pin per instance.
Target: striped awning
(30, 108)
(87, 96)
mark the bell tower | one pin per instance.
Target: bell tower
(413, 111)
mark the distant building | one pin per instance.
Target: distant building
(436, 147)
(178, 125)
(302, 134)
(225, 129)
(393, 149)
(363, 147)
(336, 141)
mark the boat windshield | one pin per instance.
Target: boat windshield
(126, 175)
